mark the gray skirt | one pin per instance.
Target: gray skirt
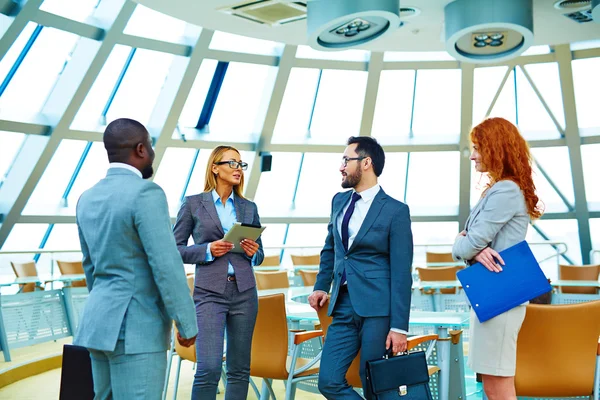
(493, 343)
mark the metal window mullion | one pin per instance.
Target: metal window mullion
(115, 89)
(20, 58)
(213, 94)
(516, 96)
(36, 257)
(84, 155)
(314, 104)
(189, 175)
(498, 92)
(564, 199)
(410, 134)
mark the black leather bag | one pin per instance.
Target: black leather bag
(76, 381)
(403, 377)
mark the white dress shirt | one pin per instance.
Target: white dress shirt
(126, 166)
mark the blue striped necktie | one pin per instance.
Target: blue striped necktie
(345, 222)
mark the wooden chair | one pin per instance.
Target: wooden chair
(24, 270)
(432, 257)
(353, 374)
(308, 277)
(439, 274)
(271, 280)
(72, 268)
(271, 261)
(557, 351)
(270, 358)
(314, 259)
(579, 273)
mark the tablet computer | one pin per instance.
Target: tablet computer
(241, 231)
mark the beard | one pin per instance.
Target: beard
(147, 172)
(352, 179)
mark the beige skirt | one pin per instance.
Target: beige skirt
(493, 343)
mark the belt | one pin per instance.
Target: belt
(230, 278)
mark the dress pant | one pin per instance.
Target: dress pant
(216, 312)
(347, 334)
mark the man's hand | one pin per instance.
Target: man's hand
(317, 299)
(397, 341)
(250, 247)
(186, 342)
(220, 247)
(488, 257)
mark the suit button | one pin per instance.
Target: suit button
(345, 257)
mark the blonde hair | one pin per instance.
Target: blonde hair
(210, 181)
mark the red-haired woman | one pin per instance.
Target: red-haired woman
(497, 222)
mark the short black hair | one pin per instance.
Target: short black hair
(369, 147)
(121, 136)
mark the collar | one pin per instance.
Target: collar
(125, 166)
(217, 199)
(370, 193)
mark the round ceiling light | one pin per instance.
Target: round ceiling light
(343, 24)
(596, 11)
(488, 31)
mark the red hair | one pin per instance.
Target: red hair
(505, 155)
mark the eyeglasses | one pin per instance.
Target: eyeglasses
(346, 159)
(234, 164)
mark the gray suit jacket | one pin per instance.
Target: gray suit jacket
(499, 221)
(378, 263)
(134, 274)
(198, 218)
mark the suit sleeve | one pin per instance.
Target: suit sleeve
(88, 266)
(184, 226)
(501, 206)
(401, 257)
(259, 256)
(154, 228)
(325, 275)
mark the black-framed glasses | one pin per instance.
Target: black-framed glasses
(234, 164)
(346, 159)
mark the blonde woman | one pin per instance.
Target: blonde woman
(225, 290)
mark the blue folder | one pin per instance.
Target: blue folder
(492, 293)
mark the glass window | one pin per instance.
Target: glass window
(195, 100)
(312, 235)
(25, 237)
(321, 177)
(556, 163)
(92, 171)
(535, 50)
(433, 193)
(549, 197)
(276, 188)
(344, 55)
(393, 177)
(243, 44)
(141, 86)
(338, 110)
(15, 50)
(547, 80)
(273, 236)
(417, 56)
(10, 144)
(534, 120)
(426, 234)
(564, 231)
(77, 10)
(486, 83)
(393, 108)
(242, 102)
(595, 231)
(437, 110)
(296, 108)
(172, 174)
(506, 106)
(38, 74)
(590, 157)
(152, 24)
(63, 237)
(88, 116)
(46, 198)
(586, 44)
(586, 82)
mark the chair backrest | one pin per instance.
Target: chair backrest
(579, 273)
(353, 375)
(314, 259)
(556, 350)
(270, 340)
(308, 277)
(23, 270)
(271, 280)
(439, 274)
(71, 268)
(271, 261)
(432, 257)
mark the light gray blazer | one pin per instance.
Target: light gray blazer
(499, 221)
(133, 270)
(198, 218)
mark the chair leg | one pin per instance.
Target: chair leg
(176, 383)
(596, 393)
(169, 363)
(255, 388)
(270, 386)
(264, 393)
(290, 389)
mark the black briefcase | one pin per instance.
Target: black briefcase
(403, 377)
(76, 382)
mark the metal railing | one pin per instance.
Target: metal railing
(593, 254)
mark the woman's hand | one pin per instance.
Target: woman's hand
(250, 247)
(220, 247)
(488, 257)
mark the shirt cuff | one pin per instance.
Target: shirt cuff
(209, 256)
(399, 331)
(253, 261)
(322, 291)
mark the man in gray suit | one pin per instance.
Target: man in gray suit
(368, 256)
(133, 271)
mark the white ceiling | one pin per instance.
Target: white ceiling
(424, 32)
